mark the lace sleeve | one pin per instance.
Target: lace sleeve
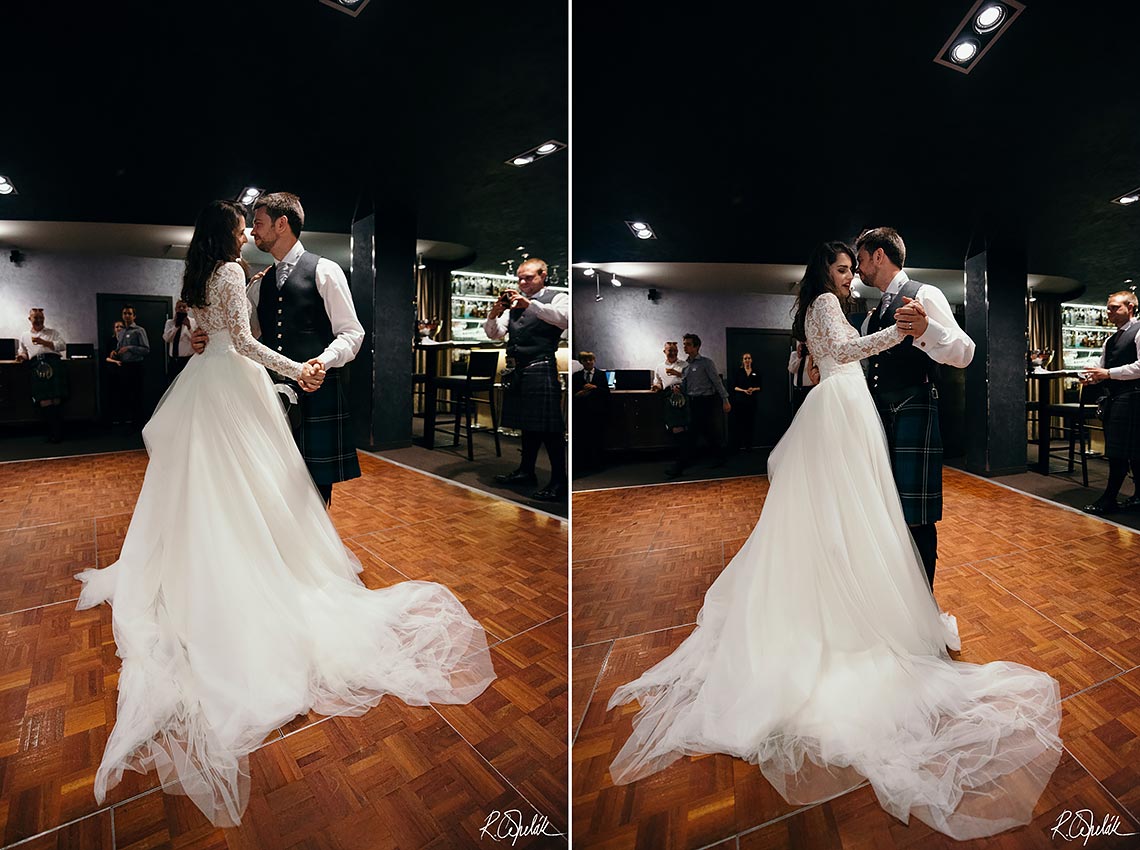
(831, 335)
(231, 294)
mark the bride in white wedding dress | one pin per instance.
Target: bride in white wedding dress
(820, 653)
(235, 605)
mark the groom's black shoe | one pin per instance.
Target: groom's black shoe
(1131, 503)
(1099, 508)
(550, 493)
(517, 477)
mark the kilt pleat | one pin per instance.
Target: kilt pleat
(535, 402)
(915, 442)
(1122, 427)
(325, 437)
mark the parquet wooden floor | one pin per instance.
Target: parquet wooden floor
(1028, 582)
(397, 777)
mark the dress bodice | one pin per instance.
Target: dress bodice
(836, 346)
(226, 319)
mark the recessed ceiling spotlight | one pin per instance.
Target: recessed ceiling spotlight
(7, 187)
(640, 229)
(989, 18)
(589, 272)
(520, 247)
(964, 51)
(351, 7)
(248, 195)
(614, 281)
(529, 156)
(1127, 199)
(977, 32)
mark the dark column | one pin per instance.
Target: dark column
(383, 289)
(996, 281)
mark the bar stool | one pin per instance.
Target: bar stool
(480, 377)
(1074, 418)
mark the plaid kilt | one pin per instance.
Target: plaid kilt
(325, 437)
(915, 442)
(49, 378)
(534, 403)
(1122, 427)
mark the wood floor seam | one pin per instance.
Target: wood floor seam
(593, 690)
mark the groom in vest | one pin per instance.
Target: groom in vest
(302, 308)
(903, 379)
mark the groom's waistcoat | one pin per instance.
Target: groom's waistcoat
(902, 365)
(1120, 350)
(293, 318)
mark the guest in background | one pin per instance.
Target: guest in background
(1119, 371)
(43, 348)
(113, 376)
(745, 384)
(707, 402)
(132, 352)
(804, 372)
(532, 318)
(666, 374)
(591, 406)
(176, 335)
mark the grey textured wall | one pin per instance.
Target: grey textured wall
(65, 286)
(626, 330)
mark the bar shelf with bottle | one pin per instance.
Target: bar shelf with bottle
(1084, 330)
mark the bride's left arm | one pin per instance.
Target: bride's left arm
(833, 336)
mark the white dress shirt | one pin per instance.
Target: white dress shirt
(30, 349)
(794, 369)
(943, 342)
(332, 286)
(184, 348)
(663, 381)
(1130, 371)
(556, 313)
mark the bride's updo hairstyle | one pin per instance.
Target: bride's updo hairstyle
(817, 280)
(214, 241)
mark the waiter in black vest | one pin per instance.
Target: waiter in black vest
(903, 379)
(302, 307)
(533, 319)
(1119, 371)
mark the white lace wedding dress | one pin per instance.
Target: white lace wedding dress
(820, 653)
(235, 605)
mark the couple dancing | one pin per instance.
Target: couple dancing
(235, 605)
(820, 653)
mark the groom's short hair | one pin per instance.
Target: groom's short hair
(286, 204)
(886, 238)
(1129, 298)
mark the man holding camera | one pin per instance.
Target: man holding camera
(532, 318)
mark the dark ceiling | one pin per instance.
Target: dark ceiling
(749, 137)
(141, 112)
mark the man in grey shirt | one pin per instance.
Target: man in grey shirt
(702, 387)
(133, 350)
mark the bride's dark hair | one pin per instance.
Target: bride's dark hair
(817, 280)
(214, 241)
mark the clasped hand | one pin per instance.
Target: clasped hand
(911, 318)
(312, 375)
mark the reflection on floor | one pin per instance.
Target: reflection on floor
(1029, 582)
(397, 777)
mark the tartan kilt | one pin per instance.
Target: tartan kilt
(49, 378)
(915, 442)
(534, 403)
(1122, 427)
(325, 436)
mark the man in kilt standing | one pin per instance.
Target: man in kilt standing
(43, 347)
(1119, 371)
(302, 307)
(903, 379)
(533, 319)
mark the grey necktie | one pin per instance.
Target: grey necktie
(283, 270)
(885, 303)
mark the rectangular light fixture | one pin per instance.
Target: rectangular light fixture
(641, 229)
(349, 7)
(537, 152)
(1128, 198)
(982, 26)
(248, 195)
(7, 187)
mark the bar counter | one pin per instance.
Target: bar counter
(16, 405)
